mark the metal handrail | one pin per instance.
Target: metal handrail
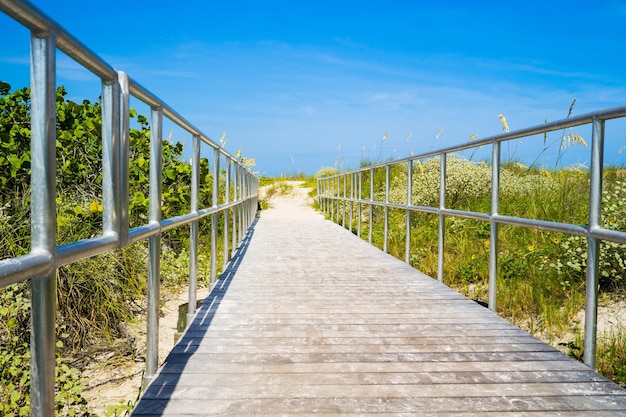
(334, 198)
(41, 264)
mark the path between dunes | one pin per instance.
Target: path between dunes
(119, 383)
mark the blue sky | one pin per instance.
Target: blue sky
(303, 85)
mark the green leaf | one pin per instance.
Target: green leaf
(170, 173)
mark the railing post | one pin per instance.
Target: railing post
(193, 229)
(409, 200)
(345, 203)
(226, 253)
(593, 244)
(493, 235)
(386, 216)
(154, 246)
(43, 221)
(124, 152)
(236, 197)
(442, 219)
(332, 200)
(321, 194)
(110, 158)
(336, 194)
(359, 205)
(216, 184)
(242, 196)
(352, 175)
(246, 193)
(371, 218)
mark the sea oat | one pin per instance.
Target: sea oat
(505, 125)
(572, 139)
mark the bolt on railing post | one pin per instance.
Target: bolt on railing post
(216, 184)
(442, 220)
(193, 229)
(371, 214)
(154, 246)
(386, 211)
(226, 253)
(409, 199)
(493, 235)
(593, 244)
(43, 221)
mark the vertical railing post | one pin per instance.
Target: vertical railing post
(345, 203)
(226, 253)
(110, 157)
(242, 206)
(216, 185)
(338, 197)
(493, 235)
(321, 195)
(43, 221)
(332, 200)
(593, 244)
(409, 202)
(124, 155)
(352, 175)
(154, 245)
(371, 213)
(359, 205)
(386, 216)
(326, 197)
(442, 219)
(246, 193)
(193, 229)
(236, 197)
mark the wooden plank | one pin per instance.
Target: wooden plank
(310, 319)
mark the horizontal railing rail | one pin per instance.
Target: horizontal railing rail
(238, 208)
(338, 194)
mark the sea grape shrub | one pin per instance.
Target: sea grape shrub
(612, 263)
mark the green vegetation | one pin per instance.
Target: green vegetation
(541, 275)
(99, 295)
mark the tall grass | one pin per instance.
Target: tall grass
(541, 274)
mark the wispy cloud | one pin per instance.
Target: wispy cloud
(15, 60)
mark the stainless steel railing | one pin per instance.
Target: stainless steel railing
(41, 264)
(338, 195)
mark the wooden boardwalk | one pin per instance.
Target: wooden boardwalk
(311, 320)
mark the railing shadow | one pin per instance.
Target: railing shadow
(156, 397)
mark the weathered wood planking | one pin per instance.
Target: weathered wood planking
(309, 319)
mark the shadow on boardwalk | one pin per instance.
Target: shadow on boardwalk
(171, 371)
